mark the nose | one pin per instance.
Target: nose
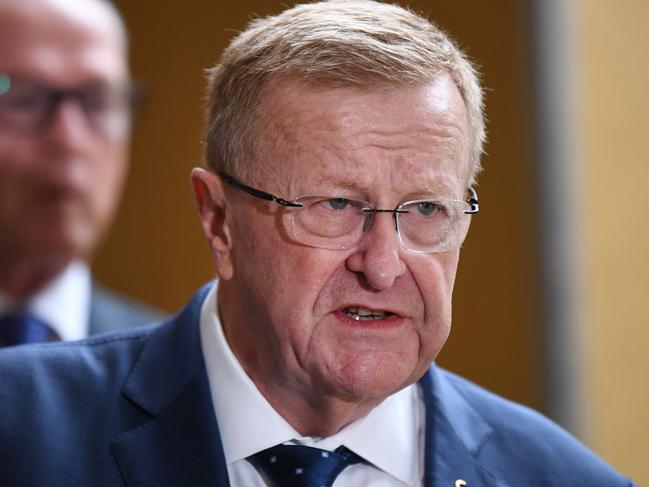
(378, 256)
(68, 130)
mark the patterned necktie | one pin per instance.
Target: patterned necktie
(21, 327)
(302, 466)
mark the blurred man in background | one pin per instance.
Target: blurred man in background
(65, 121)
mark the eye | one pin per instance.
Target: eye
(96, 99)
(102, 98)
(25, 102)
(338, 203)
(427, 208)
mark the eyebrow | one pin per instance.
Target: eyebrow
(436, 187)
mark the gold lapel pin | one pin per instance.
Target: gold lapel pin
(460, 483)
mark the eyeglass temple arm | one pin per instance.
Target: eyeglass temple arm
(257, 192)
(473, 202)
(472, 199)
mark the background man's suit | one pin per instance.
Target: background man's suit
(115, 410)
(110, 311)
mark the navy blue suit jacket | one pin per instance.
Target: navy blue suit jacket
(134, 409)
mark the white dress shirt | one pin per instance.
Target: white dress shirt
(64, 304)
(390, 437)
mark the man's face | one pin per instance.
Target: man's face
(285, 309)
(59, 185)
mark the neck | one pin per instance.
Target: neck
(314, 415)
(23, 276)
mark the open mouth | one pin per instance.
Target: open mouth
(365, 314)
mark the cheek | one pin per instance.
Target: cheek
(299, 287)
(11, 178)
(106, 176)
(288, 277)
(16, 161)
(435, 282)
(436, 277)
(19, 180)
(261, 242)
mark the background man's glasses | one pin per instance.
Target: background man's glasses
(27, 105)
(429, 225)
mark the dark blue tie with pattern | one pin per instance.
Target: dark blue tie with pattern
(21, 327)
(302, 466)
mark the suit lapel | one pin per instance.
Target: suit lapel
(180, 444)
(455, 433)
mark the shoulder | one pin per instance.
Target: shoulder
(111, 311)
(31, 372)
(64, 400)
(521, 443)
(76, 400)
(51, 380)
(48, 387)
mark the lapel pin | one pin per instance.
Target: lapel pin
(460, 483)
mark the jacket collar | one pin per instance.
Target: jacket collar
(455, 436)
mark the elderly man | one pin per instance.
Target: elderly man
(65, 100)
(343, 141)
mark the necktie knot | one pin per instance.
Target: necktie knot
(302, 466)
(20, 327)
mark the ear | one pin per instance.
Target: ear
(213, 208)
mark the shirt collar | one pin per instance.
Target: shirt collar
(248, 423)
(64, 304)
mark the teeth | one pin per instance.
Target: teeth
(363, 314)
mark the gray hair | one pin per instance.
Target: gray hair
(359, 43)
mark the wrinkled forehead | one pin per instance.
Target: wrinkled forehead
(63, 39)
(341, 136)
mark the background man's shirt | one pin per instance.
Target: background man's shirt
(64, 304)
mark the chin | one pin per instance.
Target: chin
(66, 244)
(375, 376)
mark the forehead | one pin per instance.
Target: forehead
(410, 137)
(61, 41)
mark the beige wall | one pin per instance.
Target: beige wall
(614, 114)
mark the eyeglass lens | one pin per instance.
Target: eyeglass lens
(27, 105)
(339, 223)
